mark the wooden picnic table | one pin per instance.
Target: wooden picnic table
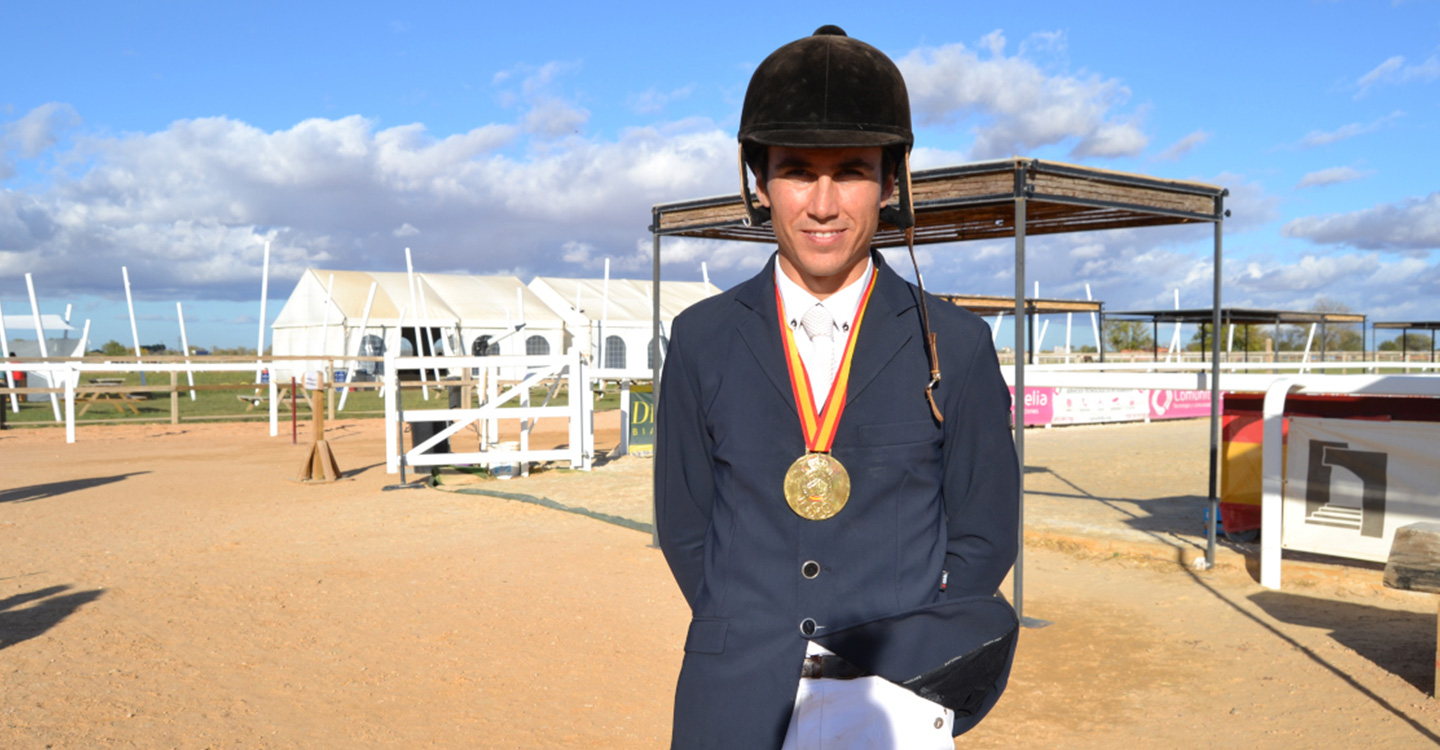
(94, 397)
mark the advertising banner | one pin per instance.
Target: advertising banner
(1046, 406)
(1037, 406)
(1092, 405)
(642, 420)
(1179, 404)
(1350, 483)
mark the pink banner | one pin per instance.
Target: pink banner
(1179, 404)
(1045, 406)
(1039, 406)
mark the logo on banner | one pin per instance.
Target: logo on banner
(1324, 507)
(1160, 401)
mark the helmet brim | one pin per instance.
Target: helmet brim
(806, 135)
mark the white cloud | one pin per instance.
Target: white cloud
(1394, 72)
(189, 208)
(1183, 146)
(652, 101)
(1016, 106)
(1333, 176)
(1410, 225)
(1323, 138)
(39, 129)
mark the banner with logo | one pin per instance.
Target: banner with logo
(1350, 483)
(1046, 406)
(1179, 404)
(642, 420)
(1093, 405)
(1037, 406)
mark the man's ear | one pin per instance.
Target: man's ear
(762, 191)
(888, 189)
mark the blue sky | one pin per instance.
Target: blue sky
(176, 138)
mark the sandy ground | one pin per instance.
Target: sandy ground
(174, 587)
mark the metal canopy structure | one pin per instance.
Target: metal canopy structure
(1238, 316)
(981, 304)
(1405, 327)
(992, 200)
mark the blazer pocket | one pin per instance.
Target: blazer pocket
(917, 431)
(706, 636)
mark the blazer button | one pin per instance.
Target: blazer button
(810, 569)
(807, 627)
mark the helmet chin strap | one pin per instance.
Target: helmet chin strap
(755, 213)
(903, 216)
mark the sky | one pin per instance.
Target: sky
(176, 139)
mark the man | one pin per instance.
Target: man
(837, 518)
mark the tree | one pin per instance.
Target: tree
(1121, 335)
(113, 348)
(1415, 342)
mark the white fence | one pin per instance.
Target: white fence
(538, 371)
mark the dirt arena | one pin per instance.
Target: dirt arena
(174, 587)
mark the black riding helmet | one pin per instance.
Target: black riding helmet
(827, 91)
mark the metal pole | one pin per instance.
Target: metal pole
(1019, 402)
(1215, 392)
(654, 360)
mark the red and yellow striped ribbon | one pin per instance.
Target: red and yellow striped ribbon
(819, 425)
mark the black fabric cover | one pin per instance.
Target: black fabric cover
(827, 91)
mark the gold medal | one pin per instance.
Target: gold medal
(817, 486)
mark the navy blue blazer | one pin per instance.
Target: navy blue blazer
(927, 501)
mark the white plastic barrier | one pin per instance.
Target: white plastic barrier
(569, 368)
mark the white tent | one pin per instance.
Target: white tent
(455, 314)
(618, 322)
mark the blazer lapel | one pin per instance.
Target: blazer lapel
(761, 331)
(885, 330)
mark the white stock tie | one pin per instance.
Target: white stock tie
(819, 325)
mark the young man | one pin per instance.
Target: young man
(838, 528)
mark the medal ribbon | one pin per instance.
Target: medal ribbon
(819, 425)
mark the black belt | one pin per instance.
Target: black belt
(829, 667)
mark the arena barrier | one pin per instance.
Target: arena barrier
(533, 372)
(1344, 485)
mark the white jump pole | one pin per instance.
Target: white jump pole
(1230, 341)
(68, 309)
(9, 374)
(1094, 320)
(134, 332)
(1040, 340)
(427, 348)
(1308, 341)
(1068, 317)
(604, 311)
(705, 275)
(415, 306)
(185, 346)
(325, 326)
(1175, 336)
(995, 333)
(264, 295)
(359, 342)
(40, 336)
(84, 340)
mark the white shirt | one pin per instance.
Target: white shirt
(868, 712)
(842, 306)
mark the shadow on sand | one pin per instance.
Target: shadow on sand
(21, 623)
(1398, 642)
(55, 489)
